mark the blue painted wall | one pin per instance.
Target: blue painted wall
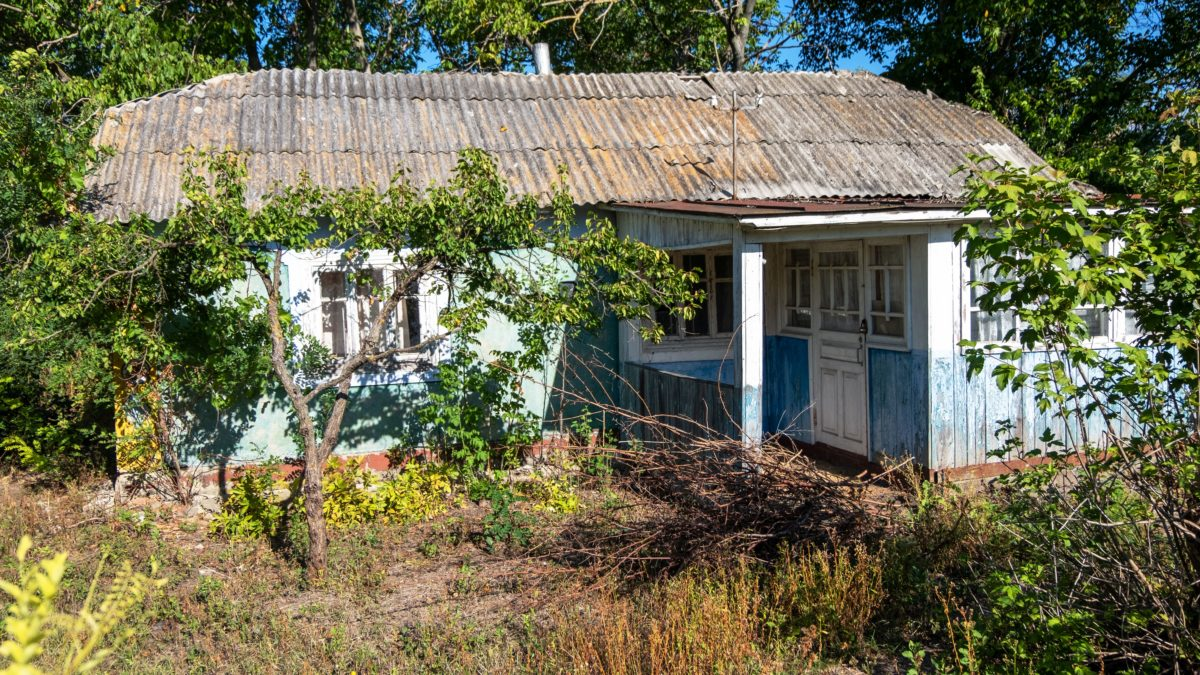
(787, 397)
(898, 404)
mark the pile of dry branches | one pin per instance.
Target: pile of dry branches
(712, 498)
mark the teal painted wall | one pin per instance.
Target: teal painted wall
(380, 416)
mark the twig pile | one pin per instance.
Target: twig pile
(712, 498)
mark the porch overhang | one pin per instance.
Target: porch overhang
(763, 215)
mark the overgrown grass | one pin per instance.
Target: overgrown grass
(925, 591)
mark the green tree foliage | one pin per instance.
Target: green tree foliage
(1105, 533)
(59, 64)
(1073, 79)
(633, 35)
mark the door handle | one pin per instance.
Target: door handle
(862, 340)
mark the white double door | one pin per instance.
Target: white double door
(839, 347)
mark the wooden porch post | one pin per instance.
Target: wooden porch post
(748, 315)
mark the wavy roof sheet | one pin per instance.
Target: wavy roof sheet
(626, 138)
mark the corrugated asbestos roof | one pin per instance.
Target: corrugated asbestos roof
(624, 138)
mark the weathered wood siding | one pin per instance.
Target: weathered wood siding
(787, 396)
(967, 415)
(898, 404)
(681, 406)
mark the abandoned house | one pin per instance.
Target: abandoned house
(819, 209)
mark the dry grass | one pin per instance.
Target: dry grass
(387, 606)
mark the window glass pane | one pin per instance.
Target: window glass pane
(892, 327)
(723, 266)
(696, 263)
(333, 311)
(368, 289)
(992, 327)
(1096, 320)
(411, 325)
(723, 297)
(798, 257)
(668, 321)
(896, 291)
(803, 288)
(879, 291)
(890, 255)
(698, 325)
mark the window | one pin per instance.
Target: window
(797, 308)
(887, 284)
(714, 316)
(987, 326)
(1000, 326)
(352, 300)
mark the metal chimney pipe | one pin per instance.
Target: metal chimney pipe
(541, 59)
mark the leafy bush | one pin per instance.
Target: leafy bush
(348, 488)
(417, 492)
(354, 495)
(251, 510)
(505, 525)
(1105, 551)
(556, 495)
(477, 415)
(31, 618)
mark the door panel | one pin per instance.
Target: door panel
(854, 390)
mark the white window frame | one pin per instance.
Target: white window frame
(1116, 328)
(906, 292)
(866, 280)
(353, 303)
(304, 302)
(709, 283)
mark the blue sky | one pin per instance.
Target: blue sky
(861, 61)
(857, 61)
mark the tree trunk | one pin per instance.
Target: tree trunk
(736, 18)
(314, 454)
(356, 33)
(314, 515)
(310, 31)
(250, 36)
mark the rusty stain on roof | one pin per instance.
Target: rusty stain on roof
(623, 138)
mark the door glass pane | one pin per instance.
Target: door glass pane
(841, 293)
